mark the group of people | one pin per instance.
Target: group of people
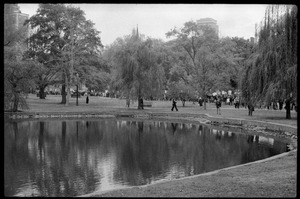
(200, 101)
(218, 103)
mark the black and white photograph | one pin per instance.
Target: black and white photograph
(150, 100)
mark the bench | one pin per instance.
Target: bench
(147, 104)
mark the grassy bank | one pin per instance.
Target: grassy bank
(113, 105)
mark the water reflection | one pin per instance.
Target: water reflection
(71, 158)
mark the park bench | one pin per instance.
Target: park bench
(147, 104)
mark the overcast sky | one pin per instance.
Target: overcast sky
(154, 20)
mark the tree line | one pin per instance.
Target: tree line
(65, 49)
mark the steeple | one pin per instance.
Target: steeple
(137, 30)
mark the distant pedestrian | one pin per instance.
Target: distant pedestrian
(236, 103)
(218, 105)
(87, 99)
(200, 101)
(228, 101)
(174, 105)
(250, 109)
(280, 102)
(141, 103)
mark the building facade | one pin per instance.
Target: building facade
(14, 19)
(210, 22)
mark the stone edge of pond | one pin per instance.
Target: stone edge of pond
(208, 119)
(99, 193)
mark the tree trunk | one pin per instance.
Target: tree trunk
(204, 103)
(139, 103)
(16, 102)
(67, 90)
(42, 92)
(288, 109)
(128, 100)
(63, 94)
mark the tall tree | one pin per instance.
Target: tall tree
(274, 63)
(198, 42)
(46, 42)
(137, 73)
(64, 41)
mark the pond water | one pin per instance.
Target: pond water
(72, 158)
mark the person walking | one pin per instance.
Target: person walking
(141, 103)
(218, 105)
(87, 99)
(174, 105)
(200, 101)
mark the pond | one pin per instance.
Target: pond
(77, 157)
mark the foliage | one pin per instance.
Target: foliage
(273, 66)
(18, 77)
(137, 71)
(66, 44)
(18, 72)
(199, 44)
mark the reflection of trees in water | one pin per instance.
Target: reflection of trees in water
(16, 157)
(65, 158)
(51, 162)
(174, 127)
(141, 155)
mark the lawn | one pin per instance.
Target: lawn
(114, 105)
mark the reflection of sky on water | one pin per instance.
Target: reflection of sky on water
(70, 158)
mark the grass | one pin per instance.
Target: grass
(113, 105)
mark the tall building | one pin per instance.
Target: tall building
(14, 19)
(211, 22)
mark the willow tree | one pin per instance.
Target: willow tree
(136, 72)
(198, 42)
(274, 63)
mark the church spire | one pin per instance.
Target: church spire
(137, 30)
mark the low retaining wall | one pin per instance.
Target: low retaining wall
(220, 120)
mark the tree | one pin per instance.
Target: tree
(18, 75)
(96, 73)
(136, 69)
(18, 72)
(64, 41)
(229, 62)
(45, 42)
(198, 42)
(273, 65)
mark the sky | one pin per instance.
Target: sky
(155, 20)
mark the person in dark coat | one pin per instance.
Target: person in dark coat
(174, 105)
(142, 103)
(250, 109)
(200, 101)
(87, 99)
(218, 105)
